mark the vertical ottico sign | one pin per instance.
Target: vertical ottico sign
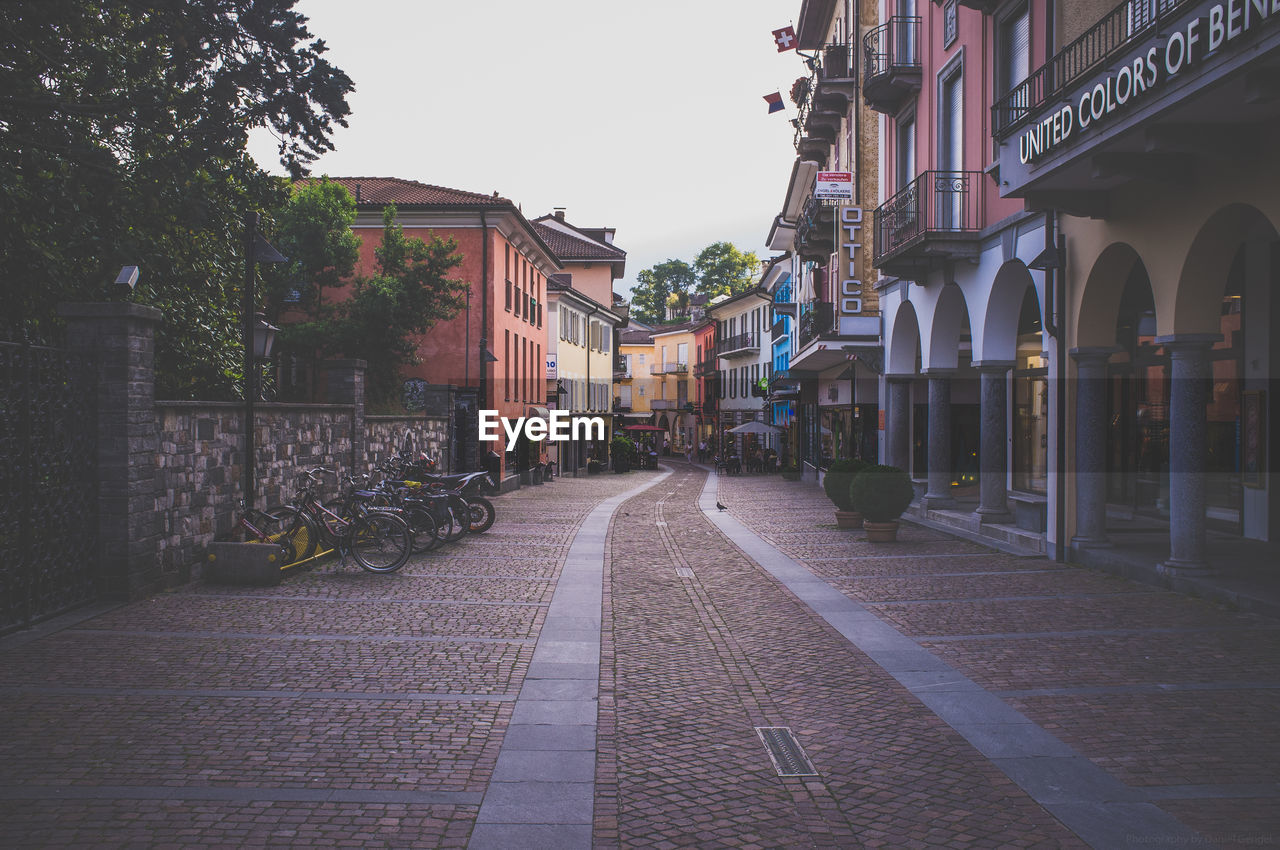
(848, 256)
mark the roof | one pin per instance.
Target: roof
(379, 191)
(660, 330)
(635, 337)
(572, 244)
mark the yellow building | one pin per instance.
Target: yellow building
(671, 370)
(580, 361)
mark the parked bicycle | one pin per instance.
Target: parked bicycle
(282, 526)
(380, 541)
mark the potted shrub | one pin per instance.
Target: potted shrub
(836, 483)
(594, 466)
(881, 494)
(623, 450)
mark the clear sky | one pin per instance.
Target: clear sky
(643, 116)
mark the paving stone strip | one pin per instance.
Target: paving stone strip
(542, 791)
(1093, 804)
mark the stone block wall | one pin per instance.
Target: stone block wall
(387, 435)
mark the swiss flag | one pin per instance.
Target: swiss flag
(785, 38)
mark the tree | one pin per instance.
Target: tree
(724, 270)
(125, 127)
(655, 287)
(379, 320)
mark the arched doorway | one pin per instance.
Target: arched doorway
(1030, 436)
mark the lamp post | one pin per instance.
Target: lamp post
(258, 337)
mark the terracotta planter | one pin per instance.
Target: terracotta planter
(881, 532)
(848, 519)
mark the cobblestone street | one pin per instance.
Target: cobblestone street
(566, 680)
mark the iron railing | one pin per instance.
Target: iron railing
(668, 368)
(739, 342)
(819, 318)
(936, 202)
(833, 65)
(892, 46)
(815, 230)
(779, 329)
(1093, 50)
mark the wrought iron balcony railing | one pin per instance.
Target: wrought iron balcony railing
(669, 369)
(1093, 50)
(779, 329)
(742, 343)
(937, 215)
(820, 318)
(891, 54)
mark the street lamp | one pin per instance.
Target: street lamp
(257, 335)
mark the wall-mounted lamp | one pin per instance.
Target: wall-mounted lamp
(127, 279)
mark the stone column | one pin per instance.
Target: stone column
(1091, 446)
(993, 456)
(898, 422)
(346, 386)
(939, 493)
(1188, 399)
(119, 338)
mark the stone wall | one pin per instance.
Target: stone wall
(387, 435)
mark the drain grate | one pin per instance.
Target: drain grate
(684, 572)
(785, 751)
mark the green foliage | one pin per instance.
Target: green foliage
(316, 236)
(656, 286)
(622, 447)
(125, 126)
(724, 270)
(837, 480)
(719, 269)
(380, 320)
(881, 493)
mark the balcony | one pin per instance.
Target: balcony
(819, 319)
(1131, 21)
(619, 407)
(663, 404)
(816, 231)
(704, 368)
(935, 217)
(669, 369)
(892, 71)
(779, 330)
(734, 346)
(620, 368)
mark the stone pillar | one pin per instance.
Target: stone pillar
(939, 493)
(993, 456)
(1091, 446)
(119, 338)
(1188, 401)
(346, 386)
(898, 422)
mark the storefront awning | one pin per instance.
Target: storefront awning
(538, 412)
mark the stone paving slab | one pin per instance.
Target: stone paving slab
(1172, 696)
(96, 659)
(693, 665)
(340, 708)
(169, 823)
(285, 616)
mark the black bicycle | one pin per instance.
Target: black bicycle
(379, 540)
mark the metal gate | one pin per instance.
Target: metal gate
(48, 483)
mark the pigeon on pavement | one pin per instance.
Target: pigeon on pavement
(721, 507)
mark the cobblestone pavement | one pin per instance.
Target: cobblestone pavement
(341, 708)
(344, 708)
(1173, 696)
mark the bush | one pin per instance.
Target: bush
(881, 493)
(837, 480)
(622, 448)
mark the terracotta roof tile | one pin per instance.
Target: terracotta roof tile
(377, 191)
(568, 246)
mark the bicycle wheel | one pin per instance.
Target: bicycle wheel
(482, 514)
(461, 515)
(423, 526)
(381, 543)
(288, 525)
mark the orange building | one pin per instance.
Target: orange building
(493, 352)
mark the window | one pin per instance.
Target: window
(515, 367)
(508, 296)
(904, 160)
(506, 365)
(1013, 57)
(950, 148)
